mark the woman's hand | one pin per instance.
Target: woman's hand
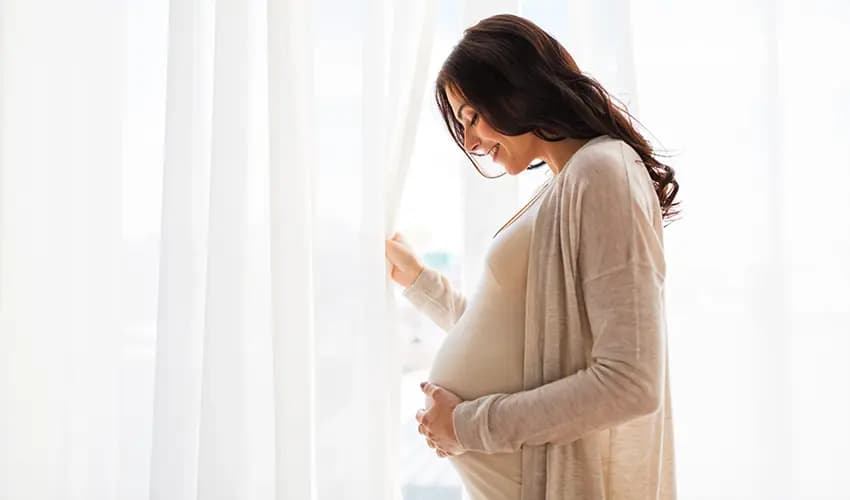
(406, 265)
(436, 423)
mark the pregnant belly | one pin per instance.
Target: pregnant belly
(483, 353)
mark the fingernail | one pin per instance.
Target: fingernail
(421, 385)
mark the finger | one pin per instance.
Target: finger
(440, 453)
(430, 443)
(393, 249)
(429, 388)
(396, 253)
(421, 429)
(420, 413)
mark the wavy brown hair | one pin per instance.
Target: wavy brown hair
(520, 79)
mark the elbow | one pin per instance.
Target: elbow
(648, 400)
(640, 391)
(649, 390)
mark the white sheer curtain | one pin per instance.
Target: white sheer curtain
(251, 354)
(62, 316)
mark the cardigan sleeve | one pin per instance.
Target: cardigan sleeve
(621, 274)
(433, 294)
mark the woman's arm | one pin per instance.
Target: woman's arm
(433, 294)
(623, 381)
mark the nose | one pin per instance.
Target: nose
(471, 141)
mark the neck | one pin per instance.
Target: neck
(557, 154)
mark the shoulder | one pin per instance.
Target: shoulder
(603, 160)
(606, 174)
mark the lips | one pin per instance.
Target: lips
(493, 152)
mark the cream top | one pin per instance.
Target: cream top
(483, 352)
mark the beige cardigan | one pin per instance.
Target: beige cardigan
(594, 421)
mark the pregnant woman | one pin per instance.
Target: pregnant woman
(552, 380)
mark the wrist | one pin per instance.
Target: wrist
(416, 276)
(454, 416)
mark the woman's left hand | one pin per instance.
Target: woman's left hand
(436, 422)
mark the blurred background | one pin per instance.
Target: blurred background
(193, 302)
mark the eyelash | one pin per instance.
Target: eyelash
(472, 122)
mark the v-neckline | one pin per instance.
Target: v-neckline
(540, 191)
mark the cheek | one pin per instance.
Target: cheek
(487, 133)
(517, 148)
(491, 136)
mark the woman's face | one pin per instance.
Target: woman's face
(514, 152)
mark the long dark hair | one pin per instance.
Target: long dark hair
(520, 79)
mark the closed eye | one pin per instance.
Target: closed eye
(472, 122)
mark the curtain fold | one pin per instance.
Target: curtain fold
(291, 132)
(182, 253)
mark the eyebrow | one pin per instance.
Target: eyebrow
(459, 111)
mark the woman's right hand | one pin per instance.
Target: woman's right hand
(406, 266)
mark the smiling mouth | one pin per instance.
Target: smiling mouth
(493, 152)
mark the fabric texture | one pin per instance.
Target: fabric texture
(595, 419)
